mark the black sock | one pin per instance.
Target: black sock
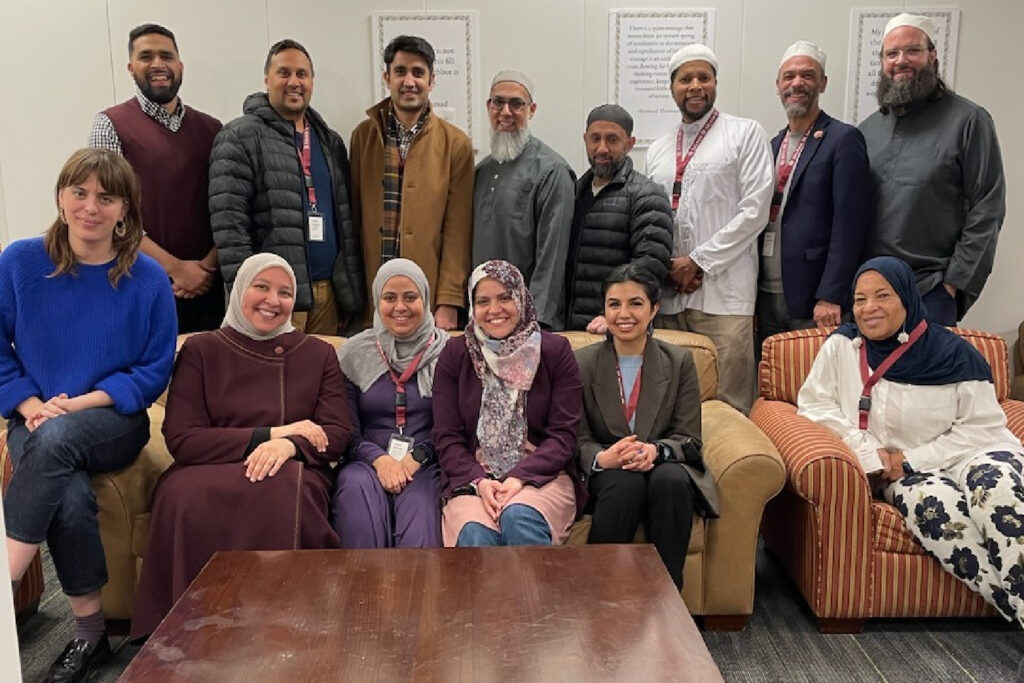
(90, 628)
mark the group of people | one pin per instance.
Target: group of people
(280, 441)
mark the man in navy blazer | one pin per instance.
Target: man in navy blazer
(820, 210)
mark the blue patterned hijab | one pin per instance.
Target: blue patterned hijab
(938, 357)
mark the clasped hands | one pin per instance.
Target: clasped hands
(395, 475)
(685, 275)
(37, 411)
(268, 458)
(892, 464)
(628, 453)
(190, 279)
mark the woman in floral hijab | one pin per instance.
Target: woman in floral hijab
(507, 402)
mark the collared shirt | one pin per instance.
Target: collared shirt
(406, 135)
(104, 136)
(522, 212)
(723, 205)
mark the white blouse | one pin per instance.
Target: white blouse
(939, 428)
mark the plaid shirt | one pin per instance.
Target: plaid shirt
(104, 136)
(406, 135)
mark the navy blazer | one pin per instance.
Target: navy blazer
(826, 217)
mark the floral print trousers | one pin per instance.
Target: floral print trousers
(975, 531)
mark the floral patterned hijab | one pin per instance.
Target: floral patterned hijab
(506, 368)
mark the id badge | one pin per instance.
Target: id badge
(316, 227)
(400, 446)
(769, 243)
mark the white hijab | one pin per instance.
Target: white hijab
(247, 272)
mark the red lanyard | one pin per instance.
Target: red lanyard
(864, 406)
(629, 407)
(682, 162)
(786, 167)
(305, 157)
(401, 380)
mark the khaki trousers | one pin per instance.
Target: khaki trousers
(323, 319)
(733, 337)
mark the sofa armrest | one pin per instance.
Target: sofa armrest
(748, 471)
(836, 526)
(123, 495)
(1014, 410)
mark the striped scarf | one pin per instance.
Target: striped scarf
(397, 141)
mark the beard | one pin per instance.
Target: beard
(606, 170)
(797, 109)
(161, 95)
(508, 145)
(899, 93)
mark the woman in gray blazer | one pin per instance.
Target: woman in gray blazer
(639, 440)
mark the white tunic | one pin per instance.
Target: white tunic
(723, 205)
(939, 428)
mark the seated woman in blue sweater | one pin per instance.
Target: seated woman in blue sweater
(87, 334)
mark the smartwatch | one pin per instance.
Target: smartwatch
(420, 455)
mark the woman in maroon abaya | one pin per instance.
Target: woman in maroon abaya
(256, 413)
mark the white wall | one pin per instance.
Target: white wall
(65, 60)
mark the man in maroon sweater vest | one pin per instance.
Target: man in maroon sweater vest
(168, 144)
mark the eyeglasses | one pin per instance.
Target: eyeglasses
(914, 52)
(515, 105)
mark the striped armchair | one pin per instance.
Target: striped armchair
(851, 556)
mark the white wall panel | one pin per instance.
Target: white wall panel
(66, 60)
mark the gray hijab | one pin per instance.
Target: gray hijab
(360, 358)
(247, 272)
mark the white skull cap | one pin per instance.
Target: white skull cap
(804, 48)
(515, 76)
(692, 53)
(918, 21)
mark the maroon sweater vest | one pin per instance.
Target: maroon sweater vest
(173, 169)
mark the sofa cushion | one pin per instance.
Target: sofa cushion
(890, 532)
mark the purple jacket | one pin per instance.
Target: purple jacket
(554, 407)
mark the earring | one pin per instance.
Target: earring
(60, 213)
(903, 337)
(120, 230)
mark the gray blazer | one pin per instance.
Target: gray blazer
(668, 411)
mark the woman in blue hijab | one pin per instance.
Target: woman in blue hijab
(916, 404)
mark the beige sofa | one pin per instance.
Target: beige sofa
(719, 574)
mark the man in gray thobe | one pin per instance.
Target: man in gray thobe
(937, 173)
(523, 199)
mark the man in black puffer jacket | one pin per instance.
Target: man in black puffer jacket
(279, 183)
(621, 217)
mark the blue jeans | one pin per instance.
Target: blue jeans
(519, 524)
(50, 496)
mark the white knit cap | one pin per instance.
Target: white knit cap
(804, 48)
(692, 53)
(916, 20)
(515, 76)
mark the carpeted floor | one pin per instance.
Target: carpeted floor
(781, 643)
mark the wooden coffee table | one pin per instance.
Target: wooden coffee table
(590, 613)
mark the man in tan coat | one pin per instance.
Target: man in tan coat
(412, 181)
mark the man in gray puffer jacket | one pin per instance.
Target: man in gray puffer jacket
(279, 183)
(621, 217)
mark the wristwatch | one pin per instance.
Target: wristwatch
(420, 455)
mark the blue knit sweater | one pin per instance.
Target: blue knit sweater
(76, 334)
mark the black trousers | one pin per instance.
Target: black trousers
(205, 312)
(661, 498)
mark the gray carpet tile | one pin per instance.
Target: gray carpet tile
(781, 643)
